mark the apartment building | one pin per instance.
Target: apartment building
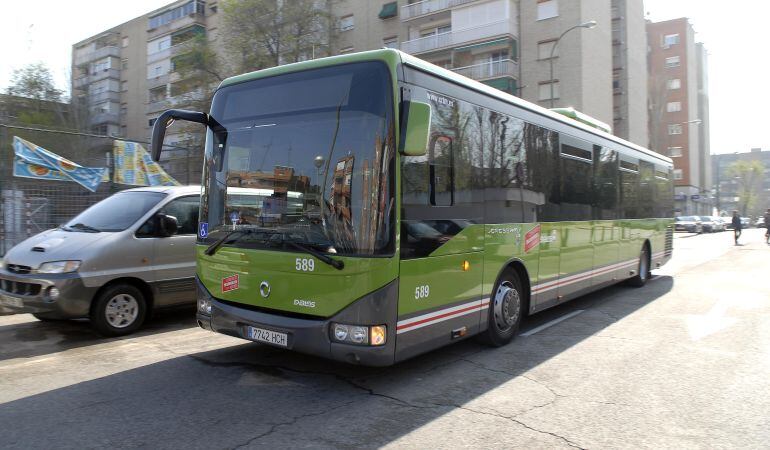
(478, 39)
(126, 75)
(679, 116)
(629, 72)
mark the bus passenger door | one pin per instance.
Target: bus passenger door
(442, 239)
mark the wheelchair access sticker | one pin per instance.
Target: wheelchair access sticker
(203, 229)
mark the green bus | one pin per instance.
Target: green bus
(403, 207)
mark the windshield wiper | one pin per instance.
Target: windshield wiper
(336, 263)
(211, 249)
(84, 227)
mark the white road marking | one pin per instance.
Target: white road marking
(551, 323)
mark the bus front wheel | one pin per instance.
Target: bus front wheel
(506, 308)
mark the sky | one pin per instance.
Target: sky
(35, 30)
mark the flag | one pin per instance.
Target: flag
(135, 167)
(32, 161)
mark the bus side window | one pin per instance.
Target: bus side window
(441, 171)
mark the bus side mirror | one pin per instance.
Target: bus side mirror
(415, 128)
(165, 120)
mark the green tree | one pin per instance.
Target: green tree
(34, 81)
(749, 175)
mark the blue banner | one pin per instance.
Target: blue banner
(135, 167)
(32, 161)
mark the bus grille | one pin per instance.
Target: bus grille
(669, 246)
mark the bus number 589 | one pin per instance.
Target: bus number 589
(421, 292)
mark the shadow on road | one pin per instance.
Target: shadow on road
(36, 338)
(253, 395)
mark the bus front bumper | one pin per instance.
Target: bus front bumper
(313, 336)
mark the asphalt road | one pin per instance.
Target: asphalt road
(681, 363)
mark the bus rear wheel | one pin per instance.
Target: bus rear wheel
(506, 308)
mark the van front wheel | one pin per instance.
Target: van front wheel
(119, 310)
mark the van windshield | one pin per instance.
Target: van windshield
(115, 213)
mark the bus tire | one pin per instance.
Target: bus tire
(118, 310)
(506, 309)
(643, 269)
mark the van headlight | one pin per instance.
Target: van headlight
(59, 267)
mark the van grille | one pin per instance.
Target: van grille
(16, 268)
(19, 287)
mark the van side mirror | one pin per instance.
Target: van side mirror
(168, 225)
(415, 128)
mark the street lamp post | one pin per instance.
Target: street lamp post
(590, 24)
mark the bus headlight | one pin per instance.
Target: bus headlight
(375, 335)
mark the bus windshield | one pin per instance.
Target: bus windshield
(306, 157)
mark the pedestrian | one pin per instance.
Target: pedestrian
(767, 226)
(737, 226)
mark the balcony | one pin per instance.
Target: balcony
(107, 96)
(83, 81)
(490, 69)
(427, 7)
(154, 82)
(100, 118)
(159, 56)
(186, 21)
(456, 37)
(97, 54)
(160, 105)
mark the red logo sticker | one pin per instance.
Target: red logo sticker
(230, 283)
(532, 239)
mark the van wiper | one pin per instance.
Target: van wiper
(84, 227)
(211, 249)
(336, 263)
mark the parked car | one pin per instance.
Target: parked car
(690, 224)
(760, 223)
(709, 224)
(722, 222)
(746, 222)
(116, 261)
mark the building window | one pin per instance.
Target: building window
(124, 42)
(674, 83)
(347, 23)
(124, 86)
(544, 90)
(672, 61)
(346, 50)
(124, 64)
(675, 128)
(675, 152)
(674, 106)
(157, 94)
(544, 49)
(189, 8)
(669, 40)
(390, 42)
(678, 174)
(100, 66)
(547, 9)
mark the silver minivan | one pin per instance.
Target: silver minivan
(116, 261)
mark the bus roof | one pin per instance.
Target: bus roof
(393, 56)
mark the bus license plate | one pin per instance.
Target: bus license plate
(6, 300)
(267, 336)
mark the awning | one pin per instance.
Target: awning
(483, 44)
(389, 10)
